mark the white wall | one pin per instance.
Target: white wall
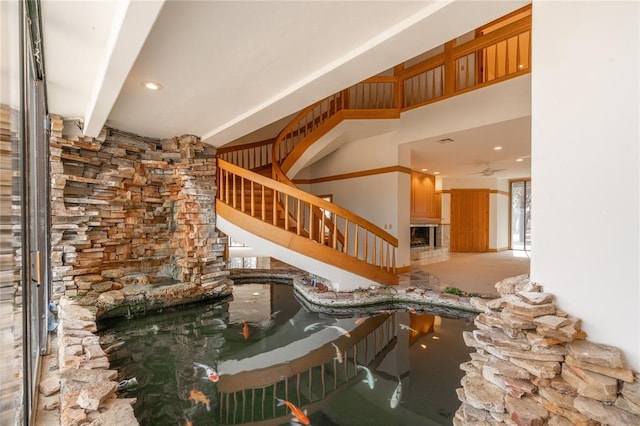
(585, 162)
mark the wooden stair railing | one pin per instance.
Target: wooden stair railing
(488, 59)
(365, 250)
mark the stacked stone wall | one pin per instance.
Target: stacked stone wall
(534, 366)
(11, 326)
(130, 214)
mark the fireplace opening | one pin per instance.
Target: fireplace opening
(423, 236)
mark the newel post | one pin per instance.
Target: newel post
(449, 68)
(399, 93)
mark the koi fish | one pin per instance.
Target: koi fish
(406, 327)
(340, 330)
(312, 326)
(299, 415)
(397, 395)
(369, 379)
(210, 372)
(361, 320)
(245, 330)
(198, 397)
(338, 353)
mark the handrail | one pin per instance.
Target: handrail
(311, 381)
(293, 210)
(250, 156)
(491, 58)
(412, 87)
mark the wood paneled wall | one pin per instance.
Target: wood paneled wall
(426, 203)
(470, 220)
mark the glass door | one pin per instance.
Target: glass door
(520, 218)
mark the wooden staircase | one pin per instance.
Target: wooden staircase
(255, 193)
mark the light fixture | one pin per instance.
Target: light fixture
(152, 85)
(519, 160)
(497, 148)
(423, 346)
(424, 170)
(256, 294)
(436, 173)
(435, 338)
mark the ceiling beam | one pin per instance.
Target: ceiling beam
(131, 25)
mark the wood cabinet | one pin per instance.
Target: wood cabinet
(425, 201)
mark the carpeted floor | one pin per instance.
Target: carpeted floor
(473, 272)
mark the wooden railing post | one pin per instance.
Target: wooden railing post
(449, 68)
(399, 90)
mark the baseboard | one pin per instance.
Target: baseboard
(495, 250)
(403, 269)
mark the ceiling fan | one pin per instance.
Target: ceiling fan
(488, 171)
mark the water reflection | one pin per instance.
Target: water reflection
(231, 363)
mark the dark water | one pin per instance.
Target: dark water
(277, 358)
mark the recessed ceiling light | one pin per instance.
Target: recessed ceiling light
(436, 173)
(152, 85)
(424, 170)
(423, 346)
(497, 148)
(519, 159)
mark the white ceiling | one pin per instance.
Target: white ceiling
(231, 68)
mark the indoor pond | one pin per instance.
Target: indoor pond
(262, 358)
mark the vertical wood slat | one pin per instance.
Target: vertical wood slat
(274, 205)
(373, 255)
(322, 225)
(286, 211)
(264, 213)
(243, 405)
(226, 187)
(286, 389)
(311, 222)
(253, 404)
(322, 374)
(253, 201)
(366, 244)
(273, 399)
(235, 406)
(298, 218)
(345, 247)
(355, 238)
(242, 203)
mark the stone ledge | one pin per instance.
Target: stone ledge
(85, 390)
(572, 380)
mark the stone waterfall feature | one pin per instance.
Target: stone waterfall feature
(534, 366)
(133, 221)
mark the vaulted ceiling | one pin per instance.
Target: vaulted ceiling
(230, 68)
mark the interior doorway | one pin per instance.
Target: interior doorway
(520, 216)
